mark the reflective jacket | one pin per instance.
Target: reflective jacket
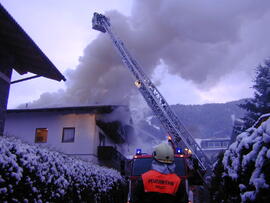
(155, 187)
(154, 181)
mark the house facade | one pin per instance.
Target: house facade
(84, 132)
(212, 146)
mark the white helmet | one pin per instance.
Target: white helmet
(164, 153)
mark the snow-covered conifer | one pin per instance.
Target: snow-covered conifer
(260, 104)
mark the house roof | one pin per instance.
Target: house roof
(77, 109)
(24, 55)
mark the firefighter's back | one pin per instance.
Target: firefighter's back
(140, 196)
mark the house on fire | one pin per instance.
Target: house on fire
(94, 133)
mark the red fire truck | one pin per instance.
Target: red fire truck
(141, 163)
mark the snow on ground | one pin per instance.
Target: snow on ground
(245, 161)
(35, 173)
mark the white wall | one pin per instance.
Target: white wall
(23, 126)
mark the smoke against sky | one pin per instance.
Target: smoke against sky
(205, 45)
(199, 41)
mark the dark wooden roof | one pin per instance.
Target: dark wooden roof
(23, 54)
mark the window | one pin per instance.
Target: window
(217, 144)
(41, 135)
(68, 135)
(210, 144)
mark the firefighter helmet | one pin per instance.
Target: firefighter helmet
(163, 153)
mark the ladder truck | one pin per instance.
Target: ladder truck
(179, 134)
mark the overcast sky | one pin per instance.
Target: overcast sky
(195, 51)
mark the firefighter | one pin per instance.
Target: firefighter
(161, 184)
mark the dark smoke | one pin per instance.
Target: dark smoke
(201, 41)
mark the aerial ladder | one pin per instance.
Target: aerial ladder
(179, 134)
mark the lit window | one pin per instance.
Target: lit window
(68, 135)
(41, 135)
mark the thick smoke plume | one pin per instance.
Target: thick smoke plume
(201, 41)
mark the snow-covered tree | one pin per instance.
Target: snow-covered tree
(238, 127)
(260, 104)
(245, 168)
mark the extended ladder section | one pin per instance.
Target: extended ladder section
(154, 99)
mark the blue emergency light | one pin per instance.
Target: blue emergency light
(178, 150)
(138, 151)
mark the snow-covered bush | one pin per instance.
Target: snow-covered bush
(35, 174)
(247, 164)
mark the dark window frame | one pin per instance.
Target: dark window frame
(68, 128)
(36, 140)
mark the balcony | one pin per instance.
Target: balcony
(109, 156)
